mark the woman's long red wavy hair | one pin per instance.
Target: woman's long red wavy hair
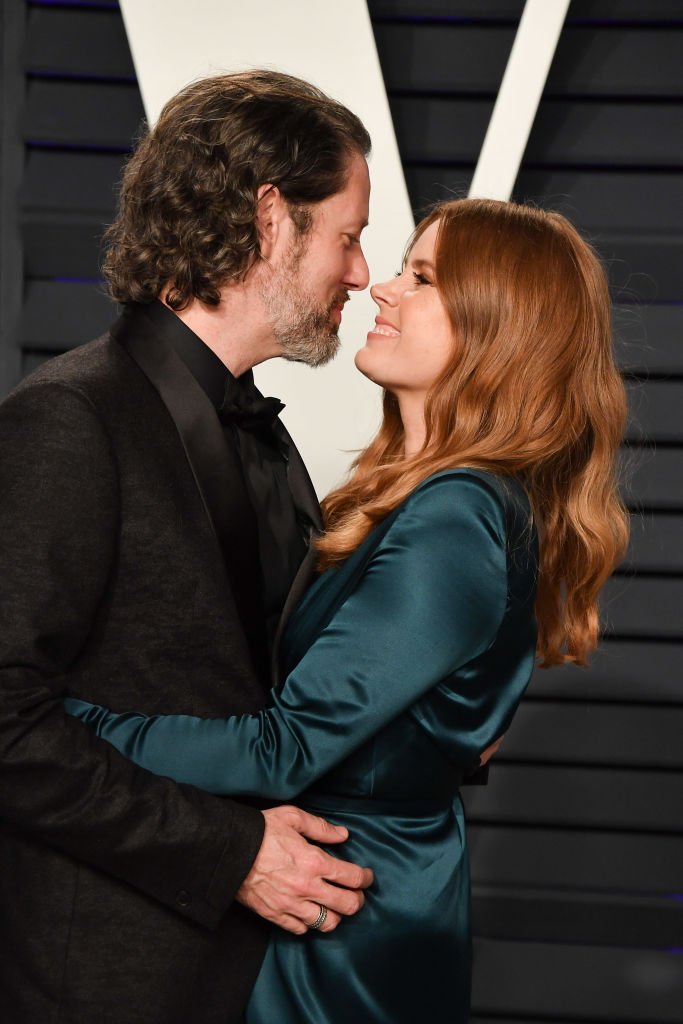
(531, 390)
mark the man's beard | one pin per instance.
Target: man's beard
(305, 332)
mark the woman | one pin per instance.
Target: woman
(475, 532)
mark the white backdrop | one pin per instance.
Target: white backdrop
(333, 410)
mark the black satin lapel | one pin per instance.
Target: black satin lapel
(300, 585)
(189, 407)
(300, 484)
(211, 460)
(307, 505)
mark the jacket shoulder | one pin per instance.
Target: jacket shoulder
(98, 364)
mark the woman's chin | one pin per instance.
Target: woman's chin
(364, 364)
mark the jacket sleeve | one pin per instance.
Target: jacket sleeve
(431, 599)
(59, 524)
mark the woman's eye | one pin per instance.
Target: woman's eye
(420, 278)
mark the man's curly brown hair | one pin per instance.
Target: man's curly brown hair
(188, 197)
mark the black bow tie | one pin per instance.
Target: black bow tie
(247, 408)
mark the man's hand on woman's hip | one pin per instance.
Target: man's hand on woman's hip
(291, 879)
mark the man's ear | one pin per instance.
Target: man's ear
(271, 214)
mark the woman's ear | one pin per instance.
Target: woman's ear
(271, 213)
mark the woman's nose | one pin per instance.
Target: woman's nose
(384, 292)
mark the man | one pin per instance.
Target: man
(154, 514)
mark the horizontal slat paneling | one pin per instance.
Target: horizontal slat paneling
(81, 100)
(621, 10)
(601, 861)
(78, 42)
(643, 606)
(66, 4)
(590, 61)
(617, 204)
(425, 128)
(633, 219)
(523, 1020)
(74, 114)
(644, 268)
(564, 983)
(656, 543)
(444, 8)
(59, 315)
(626, 62)
(650, 338)
(63, 247)
(443, 58)
(653, 478)
(591, 733)
(620, 670)
(591, 199)
(529, 915)
(610, 202)
(568, 133)
(624, 10)
(73, 182)
(656, 411)
(67, 201)
(600, 798)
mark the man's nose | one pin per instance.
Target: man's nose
(358, 276)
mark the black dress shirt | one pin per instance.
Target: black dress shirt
(278, 542)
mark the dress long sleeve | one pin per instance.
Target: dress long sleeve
(430, 600)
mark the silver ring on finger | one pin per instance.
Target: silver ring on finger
(320, 919)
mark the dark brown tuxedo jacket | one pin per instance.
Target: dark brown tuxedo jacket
(119, 505)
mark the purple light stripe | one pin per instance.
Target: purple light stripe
(78, 280)
(112, 5)
(81, 76)
(78, 147)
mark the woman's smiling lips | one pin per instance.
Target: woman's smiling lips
(384, 329)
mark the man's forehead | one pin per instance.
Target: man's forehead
(350, 206)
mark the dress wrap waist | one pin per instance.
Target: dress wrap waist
(331, 803)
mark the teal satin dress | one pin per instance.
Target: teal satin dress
(404, 664)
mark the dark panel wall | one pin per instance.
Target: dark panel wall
(11, 167)
(577, 843)
(78, 112)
